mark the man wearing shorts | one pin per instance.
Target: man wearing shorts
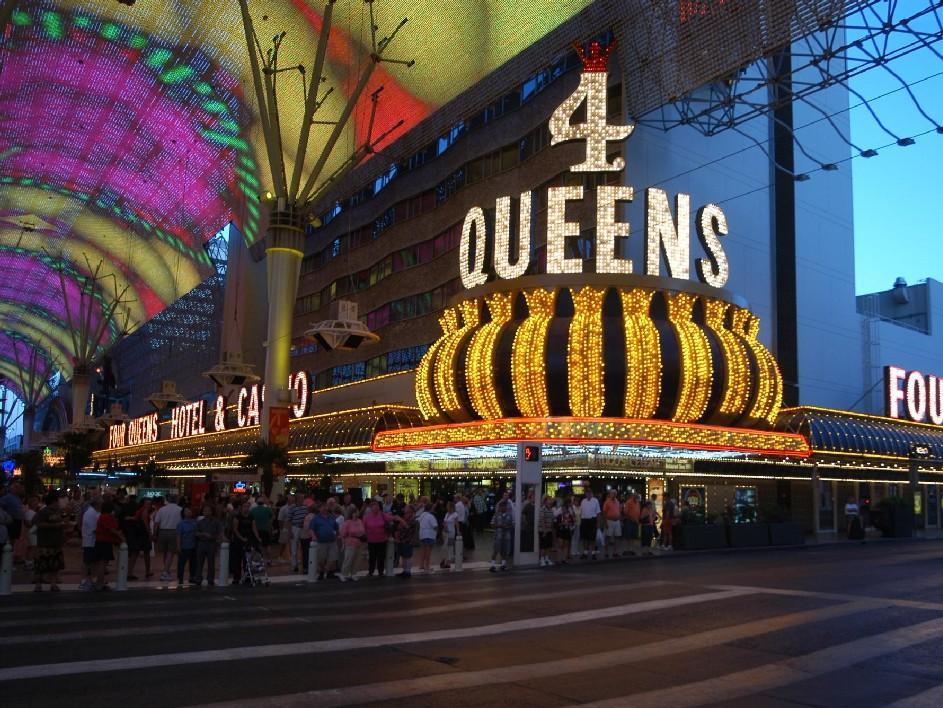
(262, 514)
(589, 517)
(324, 529)
(612, 513)
(165, 528)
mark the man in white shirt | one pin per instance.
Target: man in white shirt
(428, 530)
(461, 518)
(89, 524)
(589, 519)
(165, 525)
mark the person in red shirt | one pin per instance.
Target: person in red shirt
(612, 513)
(107, 534)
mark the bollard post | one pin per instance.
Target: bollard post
(459, 554)
(121, 581)
(223, 565)
(6, 570)
(312, 562)
(390, 555)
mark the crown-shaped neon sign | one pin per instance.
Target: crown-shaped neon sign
(596, 59)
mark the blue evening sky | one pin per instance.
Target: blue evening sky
(898, 203)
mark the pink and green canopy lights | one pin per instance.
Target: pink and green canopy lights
(113, 148)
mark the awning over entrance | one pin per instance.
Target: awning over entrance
(309, 437)
(842, 433)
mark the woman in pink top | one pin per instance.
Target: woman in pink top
(375, 525)
(352, 535)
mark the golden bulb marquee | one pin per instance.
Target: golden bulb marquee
(612, 344)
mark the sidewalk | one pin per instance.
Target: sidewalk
(279, 572)
(475, 560)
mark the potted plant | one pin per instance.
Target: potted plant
(894, 516)
(782, 530)
(746, 531)
(698, 531)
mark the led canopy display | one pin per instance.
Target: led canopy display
(127, 136)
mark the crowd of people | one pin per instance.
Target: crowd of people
(183, 539)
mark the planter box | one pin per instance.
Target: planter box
(699, 537)
(897, 522)
(786, 534)
(747, 535)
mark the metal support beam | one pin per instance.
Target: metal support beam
(783, 197)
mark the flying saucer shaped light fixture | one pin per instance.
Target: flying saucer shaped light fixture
(344, 331)
(166, 397)
(232, 371)
(114, 416)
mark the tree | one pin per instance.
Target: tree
(266, 456)
(78, 446)
(30, 463)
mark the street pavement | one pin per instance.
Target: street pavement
(846, 624)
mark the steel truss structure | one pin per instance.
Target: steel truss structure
(829, 47)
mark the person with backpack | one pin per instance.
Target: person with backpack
(565, 522)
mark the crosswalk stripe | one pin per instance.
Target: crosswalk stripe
(351, 643)
(931, 698)
(444, 585)
(170, 628)
(840, 597)
(292, 604)
(406, 688)
(730, 687)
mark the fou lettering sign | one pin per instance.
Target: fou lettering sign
(664, 234)
(913, 395)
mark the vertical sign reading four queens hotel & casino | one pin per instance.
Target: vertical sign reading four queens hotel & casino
(663, 235)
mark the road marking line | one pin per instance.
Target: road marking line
(350, 643)
(915, 604)
(166, 628)
(406, 688)
(931, 698)
(317, 603)
(448, 586)
(730, 687)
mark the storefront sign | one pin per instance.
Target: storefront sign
(136, 431)
(665, 235)
(913, 395)
(188, 420)
(196, 418)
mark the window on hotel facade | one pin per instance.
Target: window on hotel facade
(450, 185)
(384, 179)
(448, 140)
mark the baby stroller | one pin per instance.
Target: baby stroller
(254, 571)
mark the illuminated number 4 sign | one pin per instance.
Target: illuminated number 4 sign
(595, 131)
